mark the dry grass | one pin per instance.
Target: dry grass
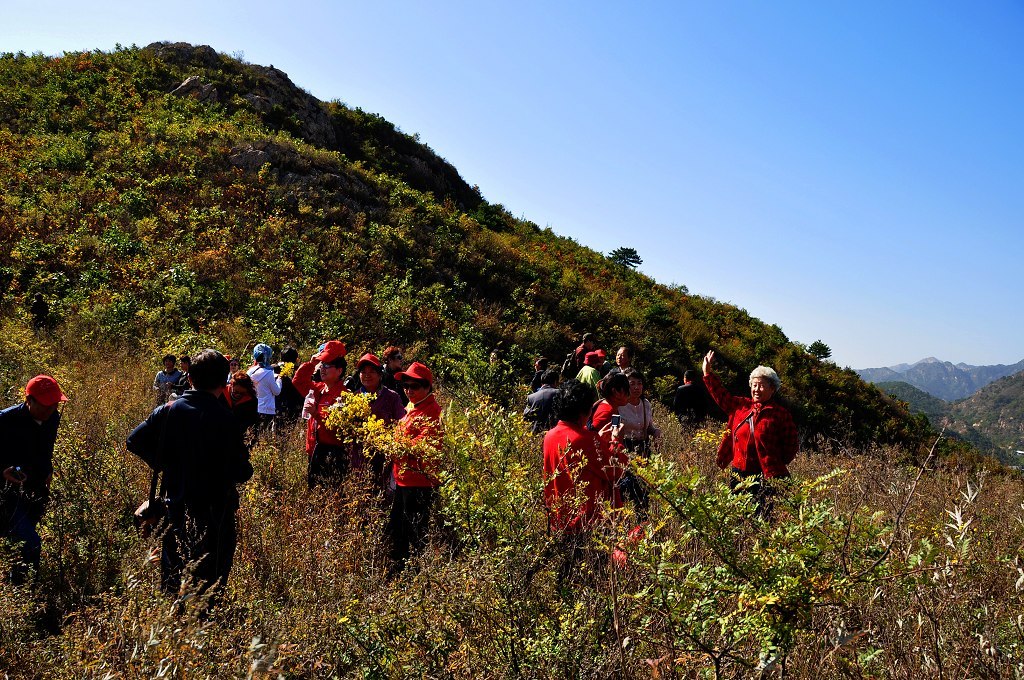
(308, 596)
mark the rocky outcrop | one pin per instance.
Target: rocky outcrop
(194, 87)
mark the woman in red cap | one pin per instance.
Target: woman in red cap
(386, 405)
(416, 471)
(328, 455)
(29, 433)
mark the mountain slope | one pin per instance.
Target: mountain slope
(995, 413)
(942, 379)
(172, 193)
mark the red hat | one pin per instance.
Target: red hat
(369, 358)
(416, 371)
(601, 353)
(335, 349)
(45, 390)
(591, 357)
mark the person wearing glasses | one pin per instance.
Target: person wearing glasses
(28, 432)
(328, 455)
(420, 435)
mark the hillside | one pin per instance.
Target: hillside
(154, 221)
(167, 195)
(942, 379)
(919, 401)
(994, 414)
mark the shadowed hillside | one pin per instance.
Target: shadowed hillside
(151, 194)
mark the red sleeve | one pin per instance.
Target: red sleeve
(725, 401)
(303, 378)
(602, 415)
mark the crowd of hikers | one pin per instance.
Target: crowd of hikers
(594, 416)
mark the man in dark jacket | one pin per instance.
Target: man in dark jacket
(691, 401)
(539, 404)
(197, 445)
(28, 432)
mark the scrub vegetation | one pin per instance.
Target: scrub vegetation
(154, 222)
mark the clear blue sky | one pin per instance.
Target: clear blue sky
(853, 172)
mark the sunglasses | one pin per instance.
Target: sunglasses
(413, 386)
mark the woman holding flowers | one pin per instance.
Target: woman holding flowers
(416, 465)
(328, 455)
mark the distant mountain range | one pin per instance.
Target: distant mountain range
(941, 379)
(992, 418)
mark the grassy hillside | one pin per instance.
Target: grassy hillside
(242, 209)
(994, 415)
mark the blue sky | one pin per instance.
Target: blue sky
(853, 172)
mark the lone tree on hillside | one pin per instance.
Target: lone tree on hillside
(625, 257)
(820, 350)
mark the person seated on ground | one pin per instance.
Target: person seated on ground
(268, 385)
(638, 428)
(393, 363)
(579, 461)
(241, 398)
(690, 403)
(762, 438)
(289, 402)
(421, 435)
(387, 406)
(539, 368)
(589, 375)
(29, 433)
(328, 456)
(166, 379)
(540, 403)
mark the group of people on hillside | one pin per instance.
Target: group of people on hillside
(197, 440)
(599, 420)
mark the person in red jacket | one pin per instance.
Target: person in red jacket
(581, 466)
(420, 434)
(762, 438)
(328, 455)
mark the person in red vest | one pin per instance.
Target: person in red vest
(416, 471)
(762, 438)
(328, 455)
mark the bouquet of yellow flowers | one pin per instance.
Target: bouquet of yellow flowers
(351, 419)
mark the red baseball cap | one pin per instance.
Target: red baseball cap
(335, 349)
(416, 371)
(369, 358)
(591, 357)
(45, 390)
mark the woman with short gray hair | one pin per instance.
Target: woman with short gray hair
(762, 438)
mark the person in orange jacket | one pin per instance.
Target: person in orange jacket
(328, 455)
(416, 471)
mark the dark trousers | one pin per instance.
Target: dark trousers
(763, 490)
(409, 521)
(328, 466)
(634, 491)
(203, 542)
(18, 522)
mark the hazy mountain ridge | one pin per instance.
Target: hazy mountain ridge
(941, 379)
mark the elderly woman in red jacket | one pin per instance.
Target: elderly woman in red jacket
(762, 438)
(417, 470)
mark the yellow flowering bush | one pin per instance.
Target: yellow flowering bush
(350, 416)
